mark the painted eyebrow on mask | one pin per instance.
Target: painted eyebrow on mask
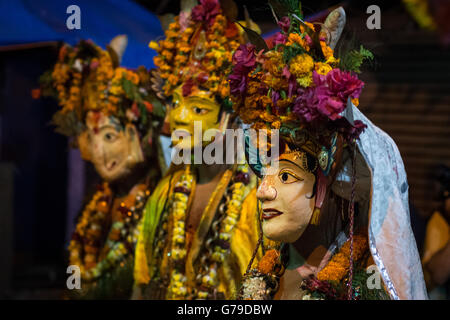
(206, 102)
(289, 161)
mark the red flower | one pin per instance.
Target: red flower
(206, 11)
(187, 87)
(244, 60)
(148, 106)
(231, 31)
(135, 109)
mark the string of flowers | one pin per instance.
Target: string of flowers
(180, 198)
(216, 39)
(226, 222)
(86, 245)
(86, 78)
(221, 241)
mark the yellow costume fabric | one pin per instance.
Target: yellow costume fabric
(437, 236)
(242, 245)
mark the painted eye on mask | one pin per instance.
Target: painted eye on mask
(287, 176)
(200, 111)
(175, 104)
(110, 137)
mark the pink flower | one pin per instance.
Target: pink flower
(284, 24)
(318, 102)
(344, 85)
(245, 56)
(184, 20)
(206, 11)
(279, 39)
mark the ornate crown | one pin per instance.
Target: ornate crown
(299, 86)
(198, 49)
(88, 78)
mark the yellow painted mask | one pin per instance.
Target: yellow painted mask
(201, 107)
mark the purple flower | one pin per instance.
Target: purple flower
(305, 105)
(206, 11)
(275, 97)
(238, 79)
(245, 56)
(244, 60)
(352, 132)
(284, 24)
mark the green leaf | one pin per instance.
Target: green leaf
(284, 8)
(67, 123)
(354, 59)
(255, 39)
(143, 112)
(159, 109)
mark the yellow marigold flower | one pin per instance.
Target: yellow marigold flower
(322, 68)
(301, 65)
(169, 44)
(296, 38)
(173, 79)
(276, 124)
(327, 51)
(153, 45)
(302, 28)
(185, 49)
(171, 34)
(355, 102)
(167, 54)
(268, 262)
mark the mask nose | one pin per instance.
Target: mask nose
(181, 116)
(266, 191)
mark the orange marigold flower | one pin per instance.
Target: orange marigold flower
(268, 262)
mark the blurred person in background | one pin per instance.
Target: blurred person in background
(436, 254)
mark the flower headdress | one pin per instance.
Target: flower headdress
(301, 88)
(197, 51)
(88, 78)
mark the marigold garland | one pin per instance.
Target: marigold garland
(85, 78)
(339, 265)
(86, 245)
(177, 288)
(178, 62)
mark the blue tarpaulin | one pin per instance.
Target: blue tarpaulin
(31, 21)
